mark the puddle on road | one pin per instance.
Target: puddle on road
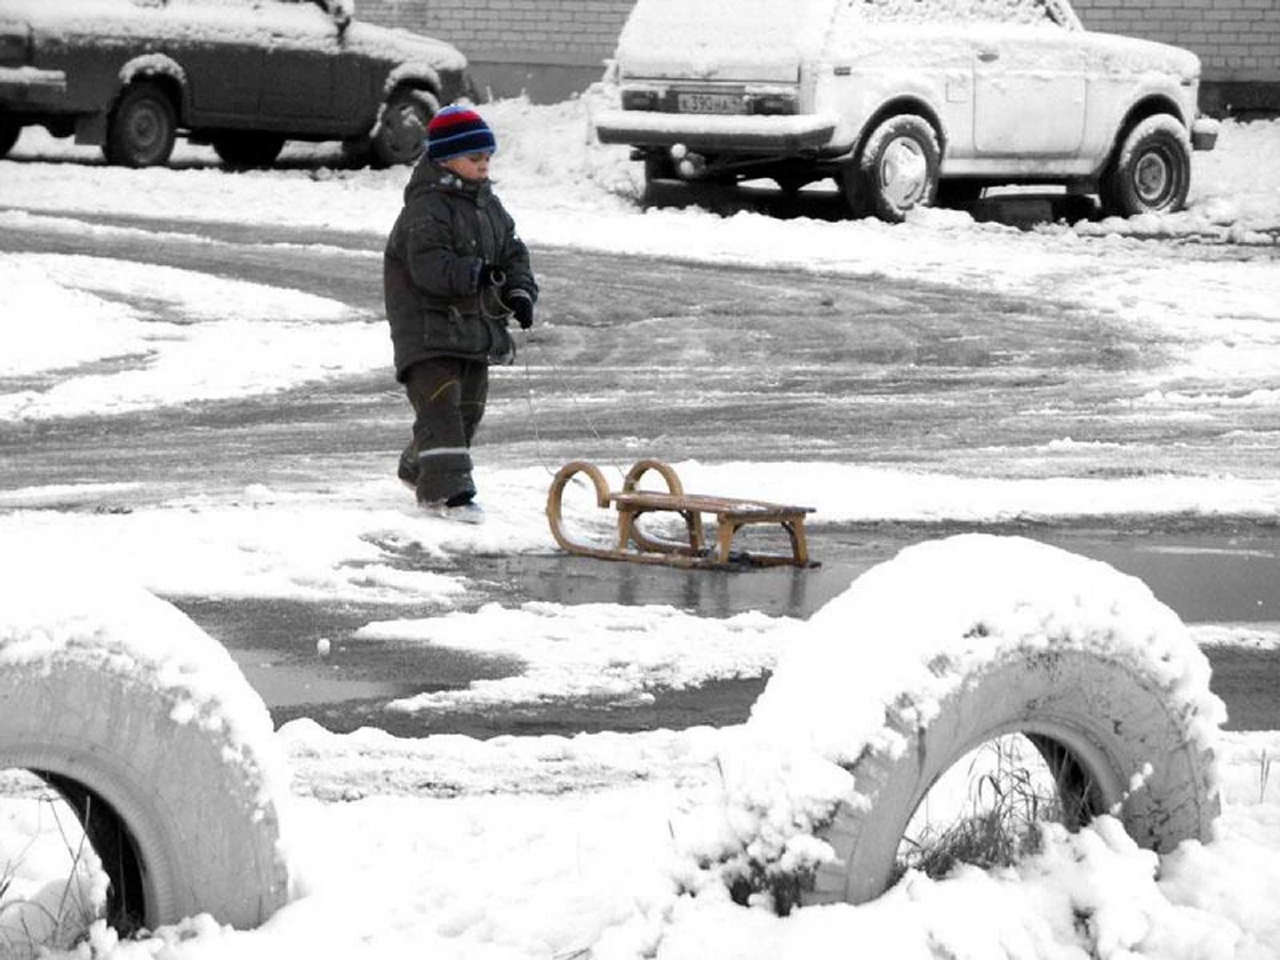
(1231, 577)
(1205, 579)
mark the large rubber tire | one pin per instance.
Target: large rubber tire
(248, 150)
(898, 167)
(1094, 722)
(402, 127)
(9, 133)
(176, 805)
(1151, 170)
(142, 127)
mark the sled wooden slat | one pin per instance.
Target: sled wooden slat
(635, 545)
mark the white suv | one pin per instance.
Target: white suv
(897, 99)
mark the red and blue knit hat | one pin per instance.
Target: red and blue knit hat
(456, 131)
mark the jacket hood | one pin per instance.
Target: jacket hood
(430, 177)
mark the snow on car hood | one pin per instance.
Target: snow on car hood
(306, 25)
(1134, 56)
(760, 40)
(392, 44)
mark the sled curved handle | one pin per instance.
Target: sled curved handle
(629, 529)
(668, 473)
(554, 512)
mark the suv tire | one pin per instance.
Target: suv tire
(899, 167)
(1151, 170)
(142, 127)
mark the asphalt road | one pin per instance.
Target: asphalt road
(673, 360)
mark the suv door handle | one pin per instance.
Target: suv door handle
(988, 56)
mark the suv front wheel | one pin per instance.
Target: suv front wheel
(898, 168)
(1151, 171)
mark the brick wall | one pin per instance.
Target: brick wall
(552, 48)
(546, 48)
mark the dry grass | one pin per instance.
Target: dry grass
(57, 915)
(1010, 796)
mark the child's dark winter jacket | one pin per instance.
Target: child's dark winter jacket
(448, 229)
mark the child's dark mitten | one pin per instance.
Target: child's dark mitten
(521, 305)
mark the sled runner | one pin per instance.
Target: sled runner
(633, 544)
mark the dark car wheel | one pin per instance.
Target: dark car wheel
(899, 167)
(141, 128)
(245, 151)
(9, 133)
(399, 134)
(1151, 171)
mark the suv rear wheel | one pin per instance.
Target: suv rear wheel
(1151, 171)
(898, 167)
(141, 128)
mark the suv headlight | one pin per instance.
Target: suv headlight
(15, 44)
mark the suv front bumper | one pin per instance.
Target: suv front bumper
(31, 87)
(716, 132)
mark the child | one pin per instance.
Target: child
(453, 272)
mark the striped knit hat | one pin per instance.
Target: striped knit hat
(455, 131)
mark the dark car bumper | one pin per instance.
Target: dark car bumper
(27, 87)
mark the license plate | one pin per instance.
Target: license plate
(709, 103)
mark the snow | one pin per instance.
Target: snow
(299, 25)
(540, 847)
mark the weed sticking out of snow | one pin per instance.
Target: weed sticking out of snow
(1006, 796)
(52, 885)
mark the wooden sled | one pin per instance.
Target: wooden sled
(633, 544)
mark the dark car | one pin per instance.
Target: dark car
(242, 75)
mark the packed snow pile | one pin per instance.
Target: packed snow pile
(931, 621)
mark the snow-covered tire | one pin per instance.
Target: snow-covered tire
(898, 167)
(1151, 170)
(402, 127)
(955, 643)
(155, 751)
(1094, 721)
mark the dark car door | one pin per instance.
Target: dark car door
(310, 78)
(220, 48)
